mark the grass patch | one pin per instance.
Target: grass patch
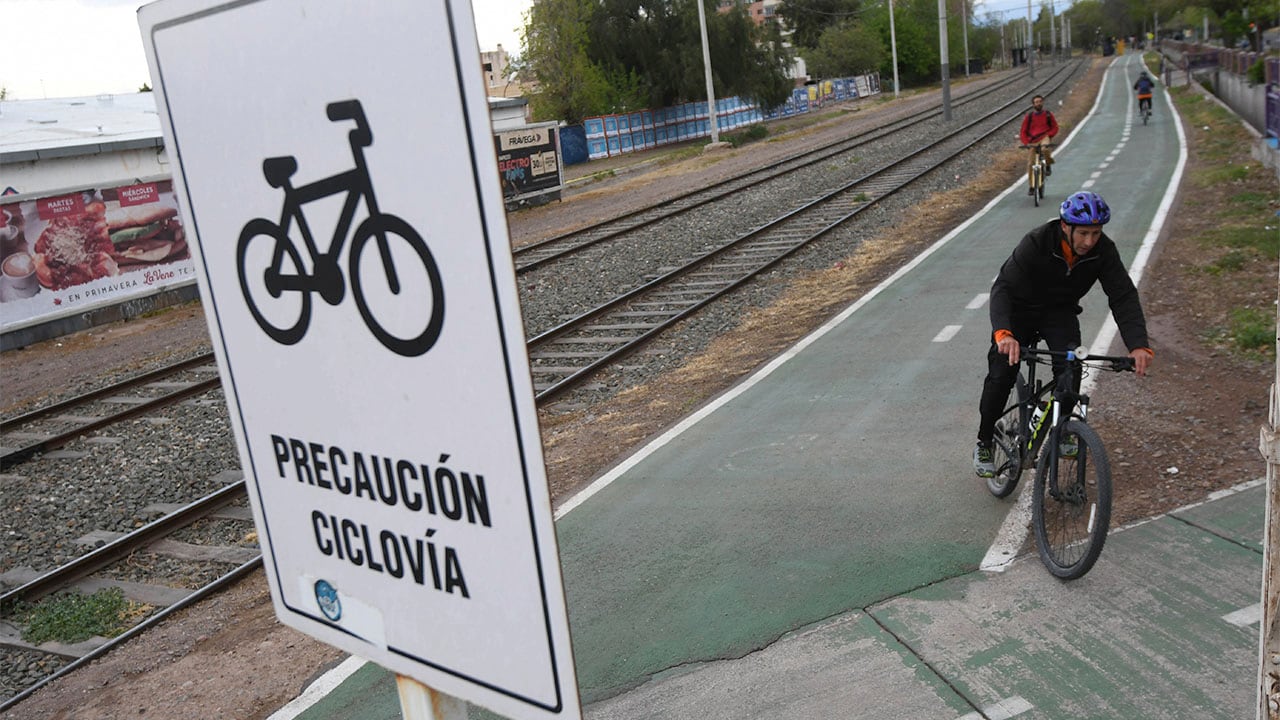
(74, 617)
(1253, 330)
(1232, 261)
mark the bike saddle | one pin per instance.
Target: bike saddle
(278, 170)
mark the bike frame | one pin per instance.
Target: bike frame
(356, 183)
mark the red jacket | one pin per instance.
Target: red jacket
(1036, 125)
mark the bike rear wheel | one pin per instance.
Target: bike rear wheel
(1072, 515)
(283, 317)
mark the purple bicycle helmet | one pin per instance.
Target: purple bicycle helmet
(1085, 208)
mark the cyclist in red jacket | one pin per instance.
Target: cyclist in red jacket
(1037, 295)
(1038, 128)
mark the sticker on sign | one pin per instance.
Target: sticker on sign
(355, 269)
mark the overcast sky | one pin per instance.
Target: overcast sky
(71, 48)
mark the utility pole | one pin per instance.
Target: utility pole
(1052, 35)
(946, 60)
(964, 18)
(893, 42)
(1031, 63)
(706, 63)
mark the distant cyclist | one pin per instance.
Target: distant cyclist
(1144, 86)
(1038, 128)
(1037, 295)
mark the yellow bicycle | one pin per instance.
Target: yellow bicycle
(1039, 169)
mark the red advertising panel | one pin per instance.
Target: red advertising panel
(89, 248)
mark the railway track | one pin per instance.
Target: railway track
(566, 355)
(536, 254)
(562, 358)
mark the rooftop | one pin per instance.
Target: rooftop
(61, 127)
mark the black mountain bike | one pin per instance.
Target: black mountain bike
(1071, 495)
(1144, 108)
(278, 275)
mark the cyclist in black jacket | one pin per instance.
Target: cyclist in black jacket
(1037, 294)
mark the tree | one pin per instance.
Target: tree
(809, 19)
(846, 49)
(556, 43)
(594, 57)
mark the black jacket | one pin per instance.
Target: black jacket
(1036, 278)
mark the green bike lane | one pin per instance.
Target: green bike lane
(810, 540)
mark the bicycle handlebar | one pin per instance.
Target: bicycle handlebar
(1114, 363)
(352, 110)
(1038, 145)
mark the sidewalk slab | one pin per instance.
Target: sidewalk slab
(1152, 631)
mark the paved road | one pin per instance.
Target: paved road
(808, 546)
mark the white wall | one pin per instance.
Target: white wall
(84, 171)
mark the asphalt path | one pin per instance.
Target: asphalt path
(814, 543)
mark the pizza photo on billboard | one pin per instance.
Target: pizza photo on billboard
(74, 248)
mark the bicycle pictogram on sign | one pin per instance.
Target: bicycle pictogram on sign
(278, 278)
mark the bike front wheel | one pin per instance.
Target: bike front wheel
(266, 260)
(1007, 449)
(1071, 502)
(398, 287)
(1037, 185)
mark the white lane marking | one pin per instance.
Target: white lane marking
(1234, 489)
(1086, 185)
(1111, 158)
(323, 685)
(1245, 616)
(1119, 145)
(1006, 708)
(947, 333)
(978, 301)
(1104, 166)
(1095, 175)
(1013, 531)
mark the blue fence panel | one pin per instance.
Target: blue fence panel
(573, 144)
(597, 148)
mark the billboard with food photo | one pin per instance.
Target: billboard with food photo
(71, 252)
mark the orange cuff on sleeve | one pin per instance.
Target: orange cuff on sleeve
(1002, 334)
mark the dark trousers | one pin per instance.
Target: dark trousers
(1060, 329)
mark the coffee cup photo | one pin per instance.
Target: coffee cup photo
(18, 277)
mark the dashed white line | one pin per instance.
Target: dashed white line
(947, 333)
(1245, 616)
(978, 301)
(1006, 708)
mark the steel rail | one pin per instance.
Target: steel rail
(682, 203)
(639, 315)
(121, 547)
(13, 457)
(148, 377)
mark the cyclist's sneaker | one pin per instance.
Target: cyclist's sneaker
(1048, 170)
(1031, 191)
(984, 465)
(1069, 447)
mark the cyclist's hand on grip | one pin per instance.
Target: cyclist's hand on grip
(1141, 360)
(1008, 345)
